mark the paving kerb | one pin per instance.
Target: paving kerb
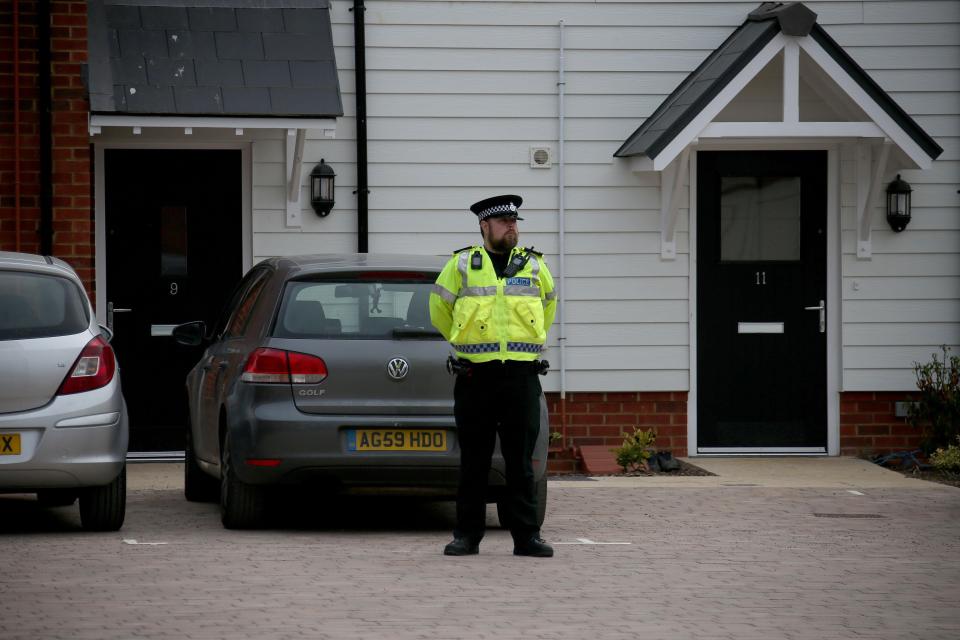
(742, 558)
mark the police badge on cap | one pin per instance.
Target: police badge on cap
(498, 207)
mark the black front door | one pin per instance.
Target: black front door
(173, 255)
(761, 266)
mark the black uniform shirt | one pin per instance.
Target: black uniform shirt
(499, 261)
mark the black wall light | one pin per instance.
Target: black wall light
(321, 188)
(898, 204)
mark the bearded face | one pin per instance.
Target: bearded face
(500, 234)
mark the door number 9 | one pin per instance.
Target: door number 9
(174, 288)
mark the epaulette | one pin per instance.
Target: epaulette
(531, 250)
(469, 246)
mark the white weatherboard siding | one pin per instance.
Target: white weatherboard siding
(459, 91)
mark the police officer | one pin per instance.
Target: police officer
(495, 303)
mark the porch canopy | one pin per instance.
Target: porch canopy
(779, 76)
(215, 64)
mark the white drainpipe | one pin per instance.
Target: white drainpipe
(561, 298)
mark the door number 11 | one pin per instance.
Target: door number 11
(761, 277)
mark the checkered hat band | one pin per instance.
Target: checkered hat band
(500, 208)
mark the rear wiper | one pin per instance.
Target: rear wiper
(415, 332)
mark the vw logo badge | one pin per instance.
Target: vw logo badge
(398, 368)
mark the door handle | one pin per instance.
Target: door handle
(112, 310)
(822, 308)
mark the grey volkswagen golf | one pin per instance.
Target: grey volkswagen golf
(325, 371)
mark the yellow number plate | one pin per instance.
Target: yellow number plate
(9, 444)
(397, 440)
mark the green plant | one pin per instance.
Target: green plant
(636, 449)
(937, 410)
(947, 459)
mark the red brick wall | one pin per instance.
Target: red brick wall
(72, 190)
(604, 418)
(868, 424)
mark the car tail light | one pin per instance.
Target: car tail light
(276, 366)
(93, 369)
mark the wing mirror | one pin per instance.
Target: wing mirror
(190, 334)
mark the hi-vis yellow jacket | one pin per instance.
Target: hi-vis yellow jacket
(488, 318)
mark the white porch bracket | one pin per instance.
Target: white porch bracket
(871, 168)
(672, 180)
(295, 139)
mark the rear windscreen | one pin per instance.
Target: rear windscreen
(360, 306)
(34, 305)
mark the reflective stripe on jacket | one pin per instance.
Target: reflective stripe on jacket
(488, 318)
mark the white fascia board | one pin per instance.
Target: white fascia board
(669, 153)
(641, 164)
(891, 129)
(97, 122)
(792, 130)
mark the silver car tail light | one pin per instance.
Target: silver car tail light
(93, 369)
(276, 366)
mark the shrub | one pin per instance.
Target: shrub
(636, 449)
(947, 459)
(937, 410)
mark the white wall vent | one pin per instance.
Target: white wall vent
(541, 157)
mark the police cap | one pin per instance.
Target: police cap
(498, 207)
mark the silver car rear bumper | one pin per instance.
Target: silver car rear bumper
(78, 440)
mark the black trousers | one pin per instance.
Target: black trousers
(497, 399)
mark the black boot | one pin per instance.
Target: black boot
(461, 547)
(534, 546)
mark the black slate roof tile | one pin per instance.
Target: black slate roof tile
(239, 46)
(266, 73)
(129, 70)
(147, 99)
(113, 43)
(260, 20)
(321, 73)
(167, 71)
(219, 73)
(163, 17)
(305, 21)
(198, 100)
(246, 100)
(123, 17)
(228, 57)
(191, 44)
(295, 101)
(295, 46)
(141, 42)
(212, 19)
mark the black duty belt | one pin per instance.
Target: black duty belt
(463, 367)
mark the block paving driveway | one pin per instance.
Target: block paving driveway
(728, 561)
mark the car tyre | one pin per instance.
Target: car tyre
(242, 506)
(541, 489)
(103, 508)
(56, 497)
(198, 486)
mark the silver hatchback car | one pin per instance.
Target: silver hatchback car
(326, 371)
(63, 421)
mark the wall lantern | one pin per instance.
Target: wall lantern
(898, 204)
(321, 188)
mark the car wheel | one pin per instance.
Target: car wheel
(541, 489)
(56, 497)
(198, 486)
(103, 508)
(242, 505)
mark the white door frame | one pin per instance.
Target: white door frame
(834, 277)
(99, 197)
